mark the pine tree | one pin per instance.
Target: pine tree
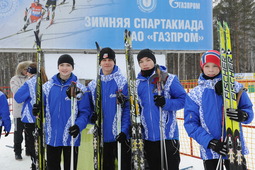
(240, 15)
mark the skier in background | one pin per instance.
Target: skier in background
(5, 120)
(58, 116)
(15, 83)
(64, 1)
(35, 12)
(171, 100)
(52, 3)
(203, 112)
(112, 81)
(27, 94)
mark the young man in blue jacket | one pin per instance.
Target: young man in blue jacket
(203, 112)
(27, 94)
(169, 101)
(5, 120)
(59, 129)
(112, 81)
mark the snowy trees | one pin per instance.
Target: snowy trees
(240, 16)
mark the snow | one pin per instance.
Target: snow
(7, 157)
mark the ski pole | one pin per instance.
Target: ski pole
(1, 131)
(219, 165)
(119, 127)
(162, 140)
(73, 106)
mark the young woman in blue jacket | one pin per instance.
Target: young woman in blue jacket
(58, 127)
(170, 100)
(203, 112)
(112, 81)
(27, 94)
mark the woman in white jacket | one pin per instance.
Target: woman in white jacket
(16, 82)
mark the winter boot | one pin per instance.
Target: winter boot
(18, 157)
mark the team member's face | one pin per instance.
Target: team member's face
(211, 69)
(107, 66)
(65, 70)
(146, 63)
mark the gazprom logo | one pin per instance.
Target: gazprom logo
(147, 5)
(184, 5)
(112, 95)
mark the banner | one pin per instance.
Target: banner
(155, 24)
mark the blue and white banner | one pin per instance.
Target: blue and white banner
(155, 24)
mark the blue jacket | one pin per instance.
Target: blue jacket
(110, 84)
(203, 115)
(174, 94)
(58, 112)
(27, 94)
(5, 120)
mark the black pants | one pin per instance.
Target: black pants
(153, 154)
(18, 136)
(54, 157)
(212, 164)
(29, 131)
(110, 153)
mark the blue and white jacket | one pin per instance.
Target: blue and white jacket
(203, 115)
(5, 120)
(174, 94)
(110, 84)
(58, 112)
(27, 94)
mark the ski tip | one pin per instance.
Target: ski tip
(126, 35)
(97, 46)
(37, 39)
(127, 32)
(225, 24)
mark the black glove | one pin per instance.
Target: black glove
(36, 109)
(121, 137)
(74, 130)
(237, 115)
(78, 93)
(218, 87)
(25, 18)
(159, 100)
(121, 99)
(218, 146)
(6, 133)
(93, 118)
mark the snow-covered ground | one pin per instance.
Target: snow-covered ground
(8, 162)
